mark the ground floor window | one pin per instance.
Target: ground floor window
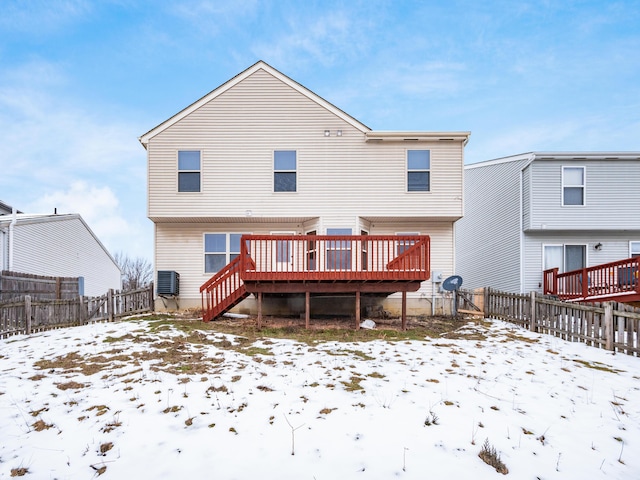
(564, 257)
(220, 249)
(634, 249)
(338, 251)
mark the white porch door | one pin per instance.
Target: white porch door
(283, 254)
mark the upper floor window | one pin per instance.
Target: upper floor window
(189, 171)
(573, 185)
(284, 171)
(220, 249)
(634, 249)
(418, 170)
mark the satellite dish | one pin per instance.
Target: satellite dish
(452, 283)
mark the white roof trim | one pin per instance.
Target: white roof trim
(260, 65)
(564, 156)
(410, 136)
(28, 218)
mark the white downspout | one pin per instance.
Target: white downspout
(11, 225)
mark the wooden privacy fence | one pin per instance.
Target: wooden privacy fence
(27, 315)
(610, 325)
(41, 287)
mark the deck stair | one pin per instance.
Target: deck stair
(223, 291)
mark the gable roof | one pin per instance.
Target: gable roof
(31, 218)
(260, 65)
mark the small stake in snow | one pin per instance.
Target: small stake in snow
(293, 437)
(404, 459)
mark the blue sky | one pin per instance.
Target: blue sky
(81, 80)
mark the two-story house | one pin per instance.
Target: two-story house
(263, 156)
(537, 211)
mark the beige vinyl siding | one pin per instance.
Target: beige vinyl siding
(64, 248)
(237, 133)
(612, 196)
(488, 250)
(180, 247)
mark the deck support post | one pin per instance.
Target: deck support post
(307, 310)
(404, 310)
(357, 309)
(259, 309)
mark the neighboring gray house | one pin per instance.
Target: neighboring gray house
(58, 246)
(527, 213)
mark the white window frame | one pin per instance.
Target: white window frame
(634, 248)
(418, 170)
(179, 171)
(564, 246)
(583, 186)
(228, 253)
(276, 171)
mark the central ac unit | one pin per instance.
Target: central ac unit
(168, 283)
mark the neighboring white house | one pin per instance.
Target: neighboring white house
(261, 154)
(527, 213)
(58, 246)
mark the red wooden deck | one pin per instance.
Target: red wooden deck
(615, 281)
(318, 264)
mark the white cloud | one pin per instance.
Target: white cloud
(58, 153)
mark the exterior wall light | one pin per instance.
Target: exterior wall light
(327, 133)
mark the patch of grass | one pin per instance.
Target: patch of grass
(375, 375)
(105, 447)
(41, 425)
(173, 409)
(70, 385)
(101, 409)
(327, 411)
(353, 384)
(489, 456)
(598, 366)
(19, 472)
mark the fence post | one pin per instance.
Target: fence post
(487, 293)
(608, 325)
(533, 325)
(151, 305)
(27, 313)
(110, 305)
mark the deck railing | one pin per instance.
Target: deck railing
(597, 282)
(334, 257)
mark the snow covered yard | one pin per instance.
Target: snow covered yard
(141, 399)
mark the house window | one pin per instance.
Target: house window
(403, 245)
(573, 185)
(564, 257)
(634, 249)
(418, 170)
(188, 171)
(220, 249)
(338, 251)
(284, 171)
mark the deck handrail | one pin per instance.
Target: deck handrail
(607, 279)
(337, 257)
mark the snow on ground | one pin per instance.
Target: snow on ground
(129, 400)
